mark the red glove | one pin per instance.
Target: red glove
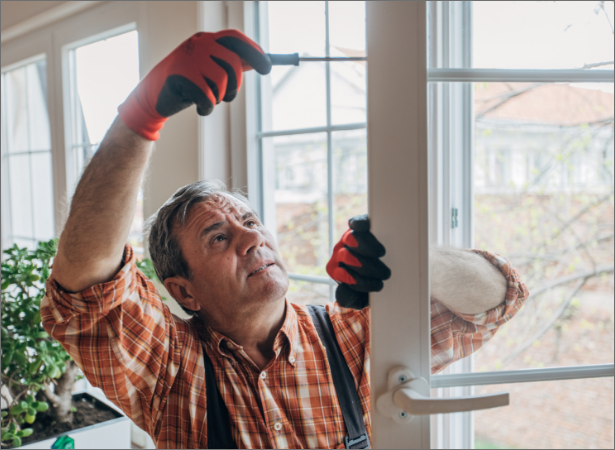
(356, 265)
(203, 70)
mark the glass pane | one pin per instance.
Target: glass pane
(297, 27)
(21, 196)
(301, 202)
(42, 186)
(297, 96)
(306, 293)
(552, 414)
(106, 72)
(347, 28)
(349, 177)
(348, 89)
(36, 79)
(542, 35)
(543, 184)
(16, 111)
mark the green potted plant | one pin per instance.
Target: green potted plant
(33, 362)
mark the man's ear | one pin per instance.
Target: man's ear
(178, 287)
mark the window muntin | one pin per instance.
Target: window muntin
(542, 35)
(26, 156)
(312, 123)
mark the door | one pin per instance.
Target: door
(404, 91)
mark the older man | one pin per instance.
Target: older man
(264, 368)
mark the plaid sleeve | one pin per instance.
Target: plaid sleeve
(122, 336)
(455, 336)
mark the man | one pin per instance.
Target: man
(219, 262)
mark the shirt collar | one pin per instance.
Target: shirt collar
(287, 337)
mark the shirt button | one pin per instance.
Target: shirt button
(277, 426)
(263, 375)
(291, 359)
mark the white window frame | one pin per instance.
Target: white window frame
(451, 138)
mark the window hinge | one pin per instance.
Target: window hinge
(454, 218)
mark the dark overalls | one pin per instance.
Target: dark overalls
(219, 424)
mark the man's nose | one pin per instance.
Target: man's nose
(249, 240)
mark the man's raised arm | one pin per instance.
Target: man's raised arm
(92, 243)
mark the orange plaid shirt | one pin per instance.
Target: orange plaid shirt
(150, 362)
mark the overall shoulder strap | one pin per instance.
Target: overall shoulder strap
(218, 420)
(342, 379)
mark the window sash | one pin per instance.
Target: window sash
(451, 140)
(265, 159)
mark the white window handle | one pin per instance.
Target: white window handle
(404, 400)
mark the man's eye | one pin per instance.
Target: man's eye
(219, 238)
(251, 223)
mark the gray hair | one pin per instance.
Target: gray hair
(164, 248)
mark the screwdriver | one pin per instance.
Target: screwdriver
(293, 59)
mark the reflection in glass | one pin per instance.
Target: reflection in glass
(298, 97)
(42, 199)
(348, 91)
(27, 122)
(542, 35)
(306, 293)
(26, 158)
(347, 27)
(20, 186)
(296, 27)
(301, 201)
(349, 177)
(543, 185)
(105, 72)
(551, 414)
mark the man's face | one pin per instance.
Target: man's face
(236, 268)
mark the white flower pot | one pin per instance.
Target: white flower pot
(115, 433)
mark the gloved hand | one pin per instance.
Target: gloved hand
(356, 265)
(203, 70)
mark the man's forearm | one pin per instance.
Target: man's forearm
(464, 281)
(92, 243)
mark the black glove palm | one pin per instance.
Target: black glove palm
(356, 265)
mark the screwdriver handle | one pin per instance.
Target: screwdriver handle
(291, 59)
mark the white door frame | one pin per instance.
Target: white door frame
(398, 205)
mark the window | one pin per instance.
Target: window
(311, 134)
(27, 186)
(531, 174)
(102, 72)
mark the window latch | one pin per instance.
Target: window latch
(408, 396)
(454, 218)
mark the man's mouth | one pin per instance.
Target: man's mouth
(260, 269)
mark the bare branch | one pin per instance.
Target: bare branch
(572, 277)
(548, 325)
